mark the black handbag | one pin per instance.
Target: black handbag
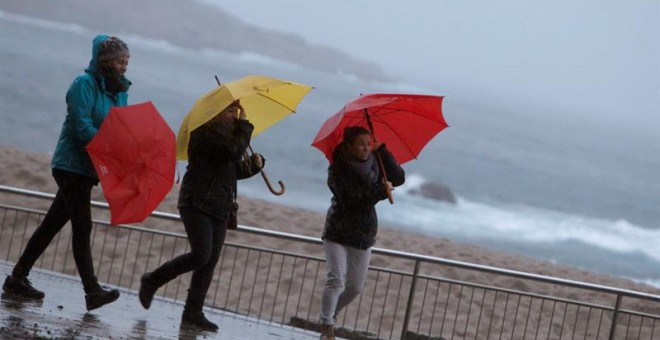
(232, 222)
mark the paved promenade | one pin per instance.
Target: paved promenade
(62, 315)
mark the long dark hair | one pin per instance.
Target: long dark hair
(352, 132)
(341, 154)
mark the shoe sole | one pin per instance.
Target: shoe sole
(193, 326)
(16, 296)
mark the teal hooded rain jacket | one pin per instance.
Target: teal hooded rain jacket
(88, 103)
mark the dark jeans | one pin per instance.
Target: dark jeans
(206, 235)
(72, 202)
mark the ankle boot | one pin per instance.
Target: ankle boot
(100, 297)
(198, 320)
(147, 290)
(20, 285)
(327, 332)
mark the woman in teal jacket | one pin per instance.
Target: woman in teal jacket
(89, 99)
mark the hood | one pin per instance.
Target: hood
(96, 45)
(93, 67)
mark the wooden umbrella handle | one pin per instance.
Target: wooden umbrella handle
(380, 161)
(382, 169)
(270, 187)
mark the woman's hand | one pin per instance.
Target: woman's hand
(241, 112)
(258, 160)
(387, 185)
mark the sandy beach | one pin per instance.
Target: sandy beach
(31, 171)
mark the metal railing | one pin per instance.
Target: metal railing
(407, 296)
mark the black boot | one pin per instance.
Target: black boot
(100, 297)
(198, 320)
(21, 286)
(147, 290)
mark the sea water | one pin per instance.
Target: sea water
(582, 194)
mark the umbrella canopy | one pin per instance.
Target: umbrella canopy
(134, 156)
(405, 122)
(266, 101)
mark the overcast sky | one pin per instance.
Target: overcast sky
(599, 58)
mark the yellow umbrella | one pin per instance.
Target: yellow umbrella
(266, 102)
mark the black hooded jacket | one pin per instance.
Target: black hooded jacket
(215, 163)
(351, 219)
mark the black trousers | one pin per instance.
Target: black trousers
(206, 235)
(71, 203)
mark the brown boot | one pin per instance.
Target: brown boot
(327, 332)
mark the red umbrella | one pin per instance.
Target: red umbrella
(404, 122)
(134, 154)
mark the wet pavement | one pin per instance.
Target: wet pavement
(62, 315)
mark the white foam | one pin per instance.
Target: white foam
(132, 39)
(650, 282)
(156, 44)
(52, 25)
(269, 61)
(413, 182)
(521, 224)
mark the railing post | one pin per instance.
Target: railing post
(615, 316)
(411, 295)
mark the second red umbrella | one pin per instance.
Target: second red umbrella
(405, 122)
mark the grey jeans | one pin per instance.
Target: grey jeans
(346, 272)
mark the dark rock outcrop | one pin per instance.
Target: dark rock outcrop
(436, 191)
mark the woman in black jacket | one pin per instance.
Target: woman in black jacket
(215, 163)
(357, 184)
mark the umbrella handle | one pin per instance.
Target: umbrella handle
(382, 169)
(263, 174)
(389, 197)
(380, 161)
(270, 187)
